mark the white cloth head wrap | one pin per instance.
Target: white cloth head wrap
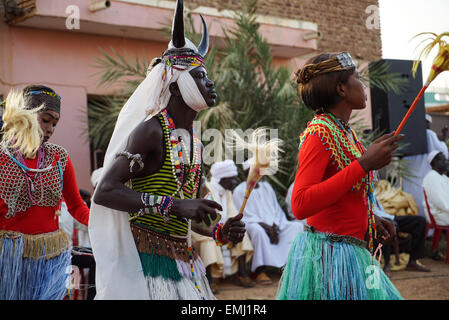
(119, 272)
(432, 156)
(247, 164)
(223, 169)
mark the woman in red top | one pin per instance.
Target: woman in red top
(35, 176)
(333, 191)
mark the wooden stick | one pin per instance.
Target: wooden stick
(245, 200)
(409, 112)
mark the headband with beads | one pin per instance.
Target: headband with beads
(52, 94)
(342, 61)
(175, 60)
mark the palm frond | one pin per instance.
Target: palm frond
(378, 75)
(114, 67)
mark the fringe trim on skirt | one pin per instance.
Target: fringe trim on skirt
(184, 289)
(333, 267)
(34, 267)
(169, 279)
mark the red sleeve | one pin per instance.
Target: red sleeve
(311, 193)
(75, 204)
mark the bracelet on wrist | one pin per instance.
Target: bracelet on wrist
(216, 234)
(160, 205)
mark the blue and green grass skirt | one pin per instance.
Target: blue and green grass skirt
(332, 267)
(34, 267)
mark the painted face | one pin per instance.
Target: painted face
(355, 92)
(48, 120)
(229, 183)
(205, 85)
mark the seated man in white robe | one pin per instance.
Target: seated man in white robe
(436, 186)
(270, 231)
(418, 166)
(221, 261)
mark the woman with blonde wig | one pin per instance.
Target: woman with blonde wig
(35, 177)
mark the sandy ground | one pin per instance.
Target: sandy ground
(432, 285)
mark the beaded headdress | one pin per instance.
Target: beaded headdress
(37, 97)
(181, 52)
(342, 61)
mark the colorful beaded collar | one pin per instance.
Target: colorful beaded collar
(345, 148)
(181, 164)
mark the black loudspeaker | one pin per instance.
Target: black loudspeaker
(388, 108)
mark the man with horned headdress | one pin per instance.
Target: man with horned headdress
(144, 206)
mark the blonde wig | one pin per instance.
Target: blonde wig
(21, 129)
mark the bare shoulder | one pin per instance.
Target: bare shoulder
(145, 132)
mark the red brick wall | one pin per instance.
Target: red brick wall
(341, 22)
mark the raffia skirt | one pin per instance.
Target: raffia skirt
(34, 267)
(333, 267)
(167, 267)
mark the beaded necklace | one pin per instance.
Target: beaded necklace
(28, 176)
(38, 172)
(345, 148)
(179, 157)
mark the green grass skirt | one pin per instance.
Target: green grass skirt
(332, 267)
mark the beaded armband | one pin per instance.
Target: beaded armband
(133, 158)
(160, 205)
(216, 231)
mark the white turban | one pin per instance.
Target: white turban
(247, 163)
(429, 118)
(432, 156)
(223, 169)
(95, 177)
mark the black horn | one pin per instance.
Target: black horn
(178, 26)
(204, 45)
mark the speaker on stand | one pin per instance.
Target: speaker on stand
(389, 108)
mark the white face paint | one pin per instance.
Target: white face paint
(187, 85)
(190, 92)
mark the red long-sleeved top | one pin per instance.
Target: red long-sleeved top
(38, 219)
(324, 195)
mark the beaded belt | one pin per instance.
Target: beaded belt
(338, 238)
(152, 242)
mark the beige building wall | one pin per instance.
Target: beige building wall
(342, 23)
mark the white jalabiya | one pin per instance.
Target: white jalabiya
(262, 206)
(288, 202)
(223, 261)
(119, 273)
(418, 166)
(437, 191)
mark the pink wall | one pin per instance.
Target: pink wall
(64, 61)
